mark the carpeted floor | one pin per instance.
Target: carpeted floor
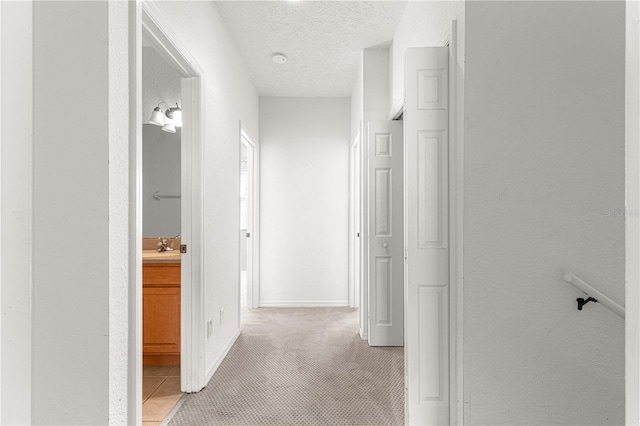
(301, 366)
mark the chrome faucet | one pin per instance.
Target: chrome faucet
(162, 245)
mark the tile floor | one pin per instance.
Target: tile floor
(160, 392)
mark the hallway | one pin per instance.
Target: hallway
(302, 366)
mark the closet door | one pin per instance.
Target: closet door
(386, 301)
(427, 235)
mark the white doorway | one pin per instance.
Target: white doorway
(151, 27)
(249, 221)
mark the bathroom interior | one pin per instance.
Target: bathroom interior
(161, 228)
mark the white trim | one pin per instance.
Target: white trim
(456, 359)
(134, 376)
(118, 178)
(211, 371)
(364, 232)
(632, 221)
(353, 240)
(253, 288)
(303, 303)
(1, 223)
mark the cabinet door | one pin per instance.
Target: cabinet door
(161, 322)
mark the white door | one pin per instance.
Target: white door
(427, 235)
(386, 301)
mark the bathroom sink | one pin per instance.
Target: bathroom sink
(154, 255)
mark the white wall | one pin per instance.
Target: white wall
(370, 94)
(357, 101)
(544, 165)
(161, 172)
(304, 184)
(375, 82)
(16, 211)
(230, 98)
(161, 150)
(71, 214)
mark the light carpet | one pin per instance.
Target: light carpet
(301, 366)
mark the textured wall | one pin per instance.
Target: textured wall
(120, 369)
(230, 98)
(304, 187)
(16, 207)
(544, 165)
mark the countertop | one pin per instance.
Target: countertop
(155, 256)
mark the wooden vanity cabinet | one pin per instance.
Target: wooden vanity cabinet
(161, 313)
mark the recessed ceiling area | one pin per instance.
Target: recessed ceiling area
(321, 39)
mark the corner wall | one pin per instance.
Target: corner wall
(544, 194)
(304, 187)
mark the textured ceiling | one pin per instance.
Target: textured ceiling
(322, 40)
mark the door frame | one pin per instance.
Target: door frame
(253, 218)
(456, 276)
(355, 186)
(148, 20)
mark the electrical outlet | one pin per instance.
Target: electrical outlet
(221, 316)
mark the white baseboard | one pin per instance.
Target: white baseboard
(221, 357)
(303, 303)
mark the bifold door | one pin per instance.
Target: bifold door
(386, 301)
(426, 168)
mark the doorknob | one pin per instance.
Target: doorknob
(385, 245)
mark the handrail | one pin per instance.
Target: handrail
(158, 196)
(595, 293)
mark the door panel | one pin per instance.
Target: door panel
(386, 310)
(427, 235)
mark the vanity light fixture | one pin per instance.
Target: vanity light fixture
(168, 127)
(157, 117)
(171, 118)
